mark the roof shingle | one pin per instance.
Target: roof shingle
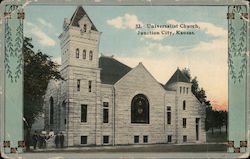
(178, 76)
(112, 70)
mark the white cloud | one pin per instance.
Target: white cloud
(156, 51)
(128, 21)
(41, 36)
(44, 23)
(212, 29)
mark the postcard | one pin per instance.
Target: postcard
(124, 79)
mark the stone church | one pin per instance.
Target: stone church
(104, 102)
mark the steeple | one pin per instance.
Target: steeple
(80, 41)
(78, 15)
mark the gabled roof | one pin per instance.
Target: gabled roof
(112, 70)
(178, 76)
(78, 14)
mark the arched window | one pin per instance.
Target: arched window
(84, 54)
(77, 53)
(184, 105)
(140, 109)
(90, 55)
(64, 112)
(51, 111)
(168, 114)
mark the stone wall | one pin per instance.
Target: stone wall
(139, 81)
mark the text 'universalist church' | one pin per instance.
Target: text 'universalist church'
(104, 102)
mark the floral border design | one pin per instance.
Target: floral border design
(13, 50)
(237, 46)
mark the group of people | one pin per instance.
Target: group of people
(59, 140)
(41, 140)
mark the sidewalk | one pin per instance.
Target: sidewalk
(208, 147)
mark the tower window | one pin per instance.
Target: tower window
(184, 122)
(91, 55)
(180, 89)
(51, 110)
(184, 105)
(83, 113)
(90, 86)
(187, 90)
(84, 54)
(78, 85)
(77, 53)
(85, 27)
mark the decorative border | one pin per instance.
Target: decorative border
(238, 76)
(14, 45)
(236, 72)
(237, 43)
(12, 78)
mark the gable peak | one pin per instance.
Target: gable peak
(78, 15)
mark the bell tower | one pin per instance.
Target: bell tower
(80, 68)
(79, 41)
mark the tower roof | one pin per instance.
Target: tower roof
(112, 70)
(178, 76)
(78, 14)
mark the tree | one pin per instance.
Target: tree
(199, 93)
(186, 72)
(225, 119)
(210, 119)
(38, 70)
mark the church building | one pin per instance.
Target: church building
(105, 102)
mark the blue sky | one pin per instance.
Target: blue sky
(205, 53)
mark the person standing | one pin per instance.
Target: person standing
(35, 139)
(57, 140)
(61, 139)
